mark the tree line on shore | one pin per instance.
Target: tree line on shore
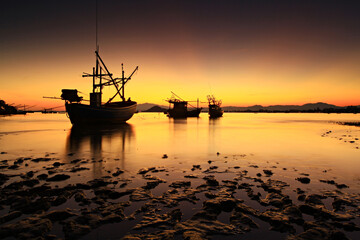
(6, 108)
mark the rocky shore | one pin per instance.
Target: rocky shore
(207, 201)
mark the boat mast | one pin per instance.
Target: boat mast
(107, 76)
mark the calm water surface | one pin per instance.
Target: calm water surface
(283, 140)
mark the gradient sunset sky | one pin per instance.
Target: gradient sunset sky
(243, 52)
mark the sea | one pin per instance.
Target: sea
(292, 145)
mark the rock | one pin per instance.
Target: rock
(278, 221)
(30, 182)
(195, 167)
(140, 194)
(77, 169)
(12, 167)
(151, 184)
(96, 183)
(294, 214)
(193, 235)
(202, 214)
(59, 215)
(293, 211)
(81, 197)
(211, 181)
(29, 207)
(75, 230)
(238, 218)
(75, 161)
(30, 227)
(304, 180)
(3, 178)
(268, 172)
(210, 195)
(41, 159)
(106, 193)
(165, 156)
(58, 201)
(219, 204)
(191, 176)
(10, 216)
(207, 227)
(57, 164)
(276, 199)
(332, 182)
(341, 186)
(314, 199)
(117, 173)
(29, 174)
(240, 207)
(58, 177)
(179, 184)
(319, 233)
(145, 170)
(301, 197)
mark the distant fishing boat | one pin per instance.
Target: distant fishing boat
(178, 108)
(215, 110)
(97, 112)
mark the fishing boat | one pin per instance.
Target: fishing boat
(98, 112)
(215, 110)
(178, 108)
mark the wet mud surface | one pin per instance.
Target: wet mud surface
(212, 200)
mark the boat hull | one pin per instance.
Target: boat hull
(81, 114)
(215, 111)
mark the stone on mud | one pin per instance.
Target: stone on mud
(180, 184)
(58, 177)
(304, 180)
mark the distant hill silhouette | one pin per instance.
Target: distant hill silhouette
(146, 106)
(156, 109)
(305, 107)
(308, 107)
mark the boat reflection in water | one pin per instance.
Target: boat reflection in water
(99, 142)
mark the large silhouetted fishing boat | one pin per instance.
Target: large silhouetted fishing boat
(98, 112)
(178, 108)
(215, 110)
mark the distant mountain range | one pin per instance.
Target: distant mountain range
(306, 107)
(146, 106)
(317, 107)
(156, 109)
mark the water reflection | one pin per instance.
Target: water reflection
(100, 140)
(177, 126)
(213, 134)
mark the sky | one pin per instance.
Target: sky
(243, 52)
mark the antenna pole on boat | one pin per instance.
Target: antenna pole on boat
(178, 96)
(100, 83)
(94, 87)
(123, 82)
(96, 26)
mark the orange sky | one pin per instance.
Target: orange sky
(243, 53)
